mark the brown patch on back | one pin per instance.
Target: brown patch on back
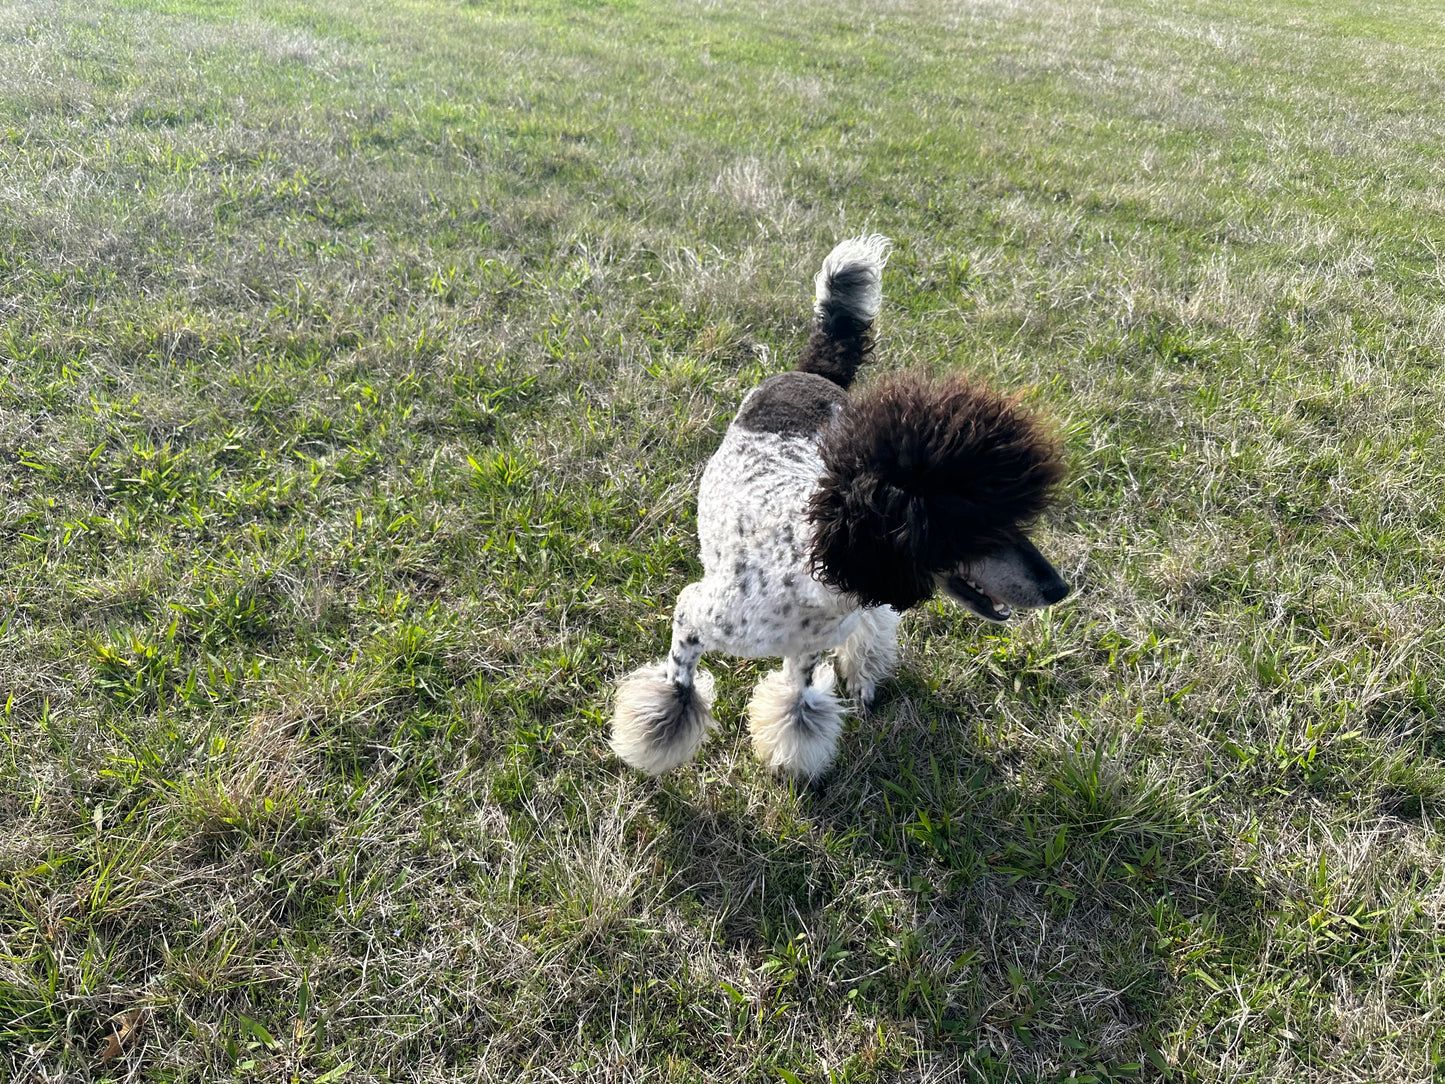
(791, 404)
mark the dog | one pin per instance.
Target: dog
(823, 516)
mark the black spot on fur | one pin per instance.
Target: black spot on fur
(804, 722)
(921, 477)
(664, 729)
(692, 639)
(792, 404)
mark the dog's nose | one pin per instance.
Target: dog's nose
(1056, 592)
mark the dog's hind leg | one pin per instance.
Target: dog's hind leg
(870, 655)
(663, 711)
(795, 719)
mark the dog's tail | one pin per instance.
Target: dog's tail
(849, 292)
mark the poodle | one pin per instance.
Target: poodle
(823, 516)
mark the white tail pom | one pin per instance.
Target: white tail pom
(851, 278)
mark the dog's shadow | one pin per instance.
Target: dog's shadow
(1000, 910)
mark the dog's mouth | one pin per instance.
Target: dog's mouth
(978, 600)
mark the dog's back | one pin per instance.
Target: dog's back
(753, 532)
(753, 526)
(757, 485)
(768, 464)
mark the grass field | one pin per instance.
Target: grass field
(358, 363)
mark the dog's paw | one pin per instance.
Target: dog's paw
(863, 693)
(861, 690)
(658, 724)
(795, 728)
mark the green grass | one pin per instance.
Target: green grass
(357, 366)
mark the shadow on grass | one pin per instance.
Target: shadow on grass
(1015, 916)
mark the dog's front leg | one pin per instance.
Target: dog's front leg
(870, 655)
(795, 719)
(664, 710)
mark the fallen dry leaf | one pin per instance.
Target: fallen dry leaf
(126, 1025)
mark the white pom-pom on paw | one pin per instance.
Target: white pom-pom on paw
(657, 723)
(795, 729)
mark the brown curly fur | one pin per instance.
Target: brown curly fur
(837, 349)
(922, 477)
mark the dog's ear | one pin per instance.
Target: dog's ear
(920, 477)
(867, 534)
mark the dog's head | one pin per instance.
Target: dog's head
(1015, 577)
(933, 486)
